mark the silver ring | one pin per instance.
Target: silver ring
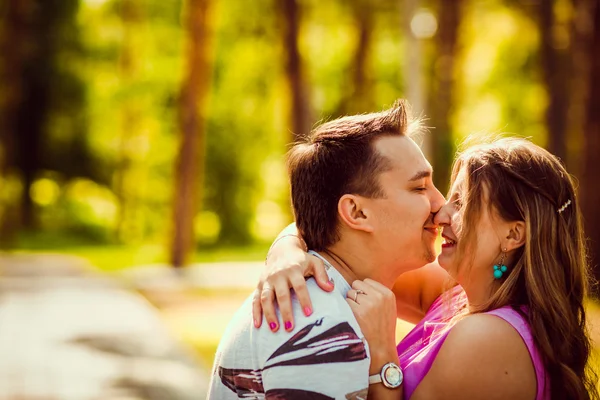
(358, 291)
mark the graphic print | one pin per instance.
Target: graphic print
(307, 347)
(243, 382)
(337, 344)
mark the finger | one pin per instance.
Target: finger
(301, 290)
(320, 273)
(354, 307)
(256, 306)
(256, 309)
(267, 297)
(355, 296)
(380, 289)
(350, 294)
(284, 300)
(362, 286)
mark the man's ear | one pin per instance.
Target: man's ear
(517, 235)
(353, 213)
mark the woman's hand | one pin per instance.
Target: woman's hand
(374, 307)
(287, 266)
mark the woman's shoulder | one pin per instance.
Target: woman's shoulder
(504, 336)
(504, 331)
(485, 327)
(483, 354)
(516, 317)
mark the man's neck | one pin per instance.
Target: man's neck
(339, 262)
(354, 259)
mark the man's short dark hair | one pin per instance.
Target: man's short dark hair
(338, 158)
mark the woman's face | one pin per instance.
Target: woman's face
(478, 257)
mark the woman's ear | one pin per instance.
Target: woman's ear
(353, 213)
(517, 235)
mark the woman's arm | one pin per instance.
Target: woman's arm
(374, 307)
(287, 266)
(416, 290)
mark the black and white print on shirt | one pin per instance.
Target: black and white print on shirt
(338, 344)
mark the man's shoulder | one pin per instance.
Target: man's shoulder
(301, 361)
(324, 302)
(330, 311)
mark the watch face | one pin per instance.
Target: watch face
(393, 375)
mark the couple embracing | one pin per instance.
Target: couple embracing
(499, 313)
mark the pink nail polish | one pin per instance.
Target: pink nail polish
(256, 323)
(273, 326)
(288, 325)
(307, 311)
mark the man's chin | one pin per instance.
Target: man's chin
(430, 255)
(429, 259)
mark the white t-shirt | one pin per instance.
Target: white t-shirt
(324, 357)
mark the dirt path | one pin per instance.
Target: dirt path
(69, 333)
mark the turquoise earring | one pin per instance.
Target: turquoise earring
(500, 268)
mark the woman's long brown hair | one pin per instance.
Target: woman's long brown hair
(549, 274)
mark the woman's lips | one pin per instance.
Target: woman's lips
(448, 242)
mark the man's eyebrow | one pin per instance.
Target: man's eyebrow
(420, 175)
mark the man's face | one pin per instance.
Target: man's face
(403, 226)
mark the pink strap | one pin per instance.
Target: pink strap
(517, 321)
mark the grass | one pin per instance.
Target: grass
(113, 257)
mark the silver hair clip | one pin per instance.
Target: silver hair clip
(564, 207)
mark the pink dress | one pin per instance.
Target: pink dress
(417, 351)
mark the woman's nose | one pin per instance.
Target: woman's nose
(442, 217)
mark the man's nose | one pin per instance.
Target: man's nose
(437, 202)
(442, 217)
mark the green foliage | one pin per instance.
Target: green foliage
(115, 257)
(111, 135)
(500, 87)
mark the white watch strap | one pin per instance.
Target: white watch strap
(374, 379)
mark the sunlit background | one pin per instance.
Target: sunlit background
(142, 162)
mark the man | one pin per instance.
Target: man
(364, 202)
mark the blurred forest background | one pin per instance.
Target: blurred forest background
(156, 130)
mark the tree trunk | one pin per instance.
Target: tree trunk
(31, 114)
(190, 160)
(590, 186)
(301, 116)
(15, 29)
(126, 188)
(555, 71)
(37, 83)
(582, 26)
(361, 98)
(442, 88)
(413, 73)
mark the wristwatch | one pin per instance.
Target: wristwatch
(391, 376)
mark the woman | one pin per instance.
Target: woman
(514, 244)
